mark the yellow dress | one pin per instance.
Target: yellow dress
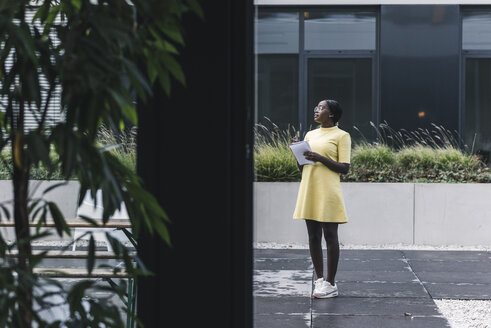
(320, 197)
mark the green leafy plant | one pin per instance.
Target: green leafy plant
(435, 155)
(273, 158)
(102, 55)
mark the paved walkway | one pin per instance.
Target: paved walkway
(378, 288)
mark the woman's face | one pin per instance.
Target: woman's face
(322, 114)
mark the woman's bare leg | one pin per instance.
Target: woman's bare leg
(331, 236)
(314, 230)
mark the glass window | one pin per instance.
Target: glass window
(347, 80)
(277, 90)
(476, 30)
(340, 31)
(276, 32)
(477, 105)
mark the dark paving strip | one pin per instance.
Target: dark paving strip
(453, 274)
(383, 265)
(378, 288)
(374, 276)
(376, 254)
(459, 291)
(387, 306)
(448, 255)
(282, 264)
(282, 253)
(455, 277)
(282, 283)
(282, 320)
(369, 321)
(450, 266)
(285, 305)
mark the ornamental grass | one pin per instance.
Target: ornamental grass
(424, 155)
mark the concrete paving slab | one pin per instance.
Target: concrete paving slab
(459, 291)
(374, 276)
(368, 321)
(282, 264)
(285, 305)
(282, 320)
(281, 283)
(389, 306)
(282, 253)
(378, 289)
(447, 255)
(372, 265)
(455, 277)
(372, 254)
(450, 266)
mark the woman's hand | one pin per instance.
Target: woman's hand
(313, 156)
(342, 168)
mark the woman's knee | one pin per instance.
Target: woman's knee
(331, 234)
(315, 238)
(314, 230)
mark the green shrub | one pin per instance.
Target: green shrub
(273, 158)
(372, 155)
(123, 147)
(38, 172)
(397, 156)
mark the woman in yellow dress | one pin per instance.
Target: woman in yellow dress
(320, 200)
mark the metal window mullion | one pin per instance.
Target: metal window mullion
(302, 75)
(465, 55)
(376, 106)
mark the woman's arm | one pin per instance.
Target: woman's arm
(300, 167)
(342, 168)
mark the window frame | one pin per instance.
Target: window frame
(466, 54)
(305, 55)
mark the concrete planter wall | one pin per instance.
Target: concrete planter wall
(384, 213)
(64, 196)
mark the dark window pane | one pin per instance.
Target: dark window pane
(477, 105)
(277, 90)
(276, 32)
(476, 30)
(340, 31)
(349, 81)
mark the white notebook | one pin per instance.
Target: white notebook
(298, 148)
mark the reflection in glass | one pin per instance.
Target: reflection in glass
(277, 90)
(476, 31)
(276, 32)
(349, 81)
(340, 31)
(477, 106)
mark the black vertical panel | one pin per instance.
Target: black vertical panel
(194, 154)
(419, 65)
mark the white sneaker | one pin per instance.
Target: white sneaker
(323, 289)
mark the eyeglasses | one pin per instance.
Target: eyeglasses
(318, 108)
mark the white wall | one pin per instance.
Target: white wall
(64, 196)
(384, 213)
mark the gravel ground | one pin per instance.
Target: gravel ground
(384, 246)
(466, 314)
(459, 313)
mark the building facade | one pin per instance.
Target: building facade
(412, 66)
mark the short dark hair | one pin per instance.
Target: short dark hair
(335, 109)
